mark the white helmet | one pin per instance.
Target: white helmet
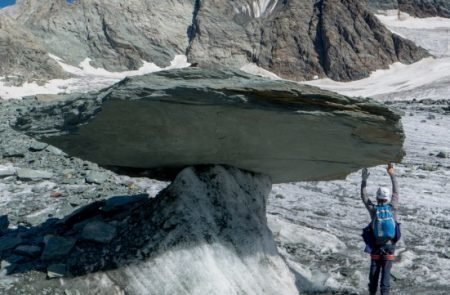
(383, 194)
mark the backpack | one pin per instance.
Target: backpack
(383, 224)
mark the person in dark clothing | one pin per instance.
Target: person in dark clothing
(382, 255)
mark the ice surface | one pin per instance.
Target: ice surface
(335, 209)
(202, 270)
(87, 78)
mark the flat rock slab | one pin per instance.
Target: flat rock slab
(29, 174)
(13, 152)
(38, 146)
(119, 202)
(4, 223)
(7, 243)
(56, 270)
(57, 247)
(6, 171)
(96, 177)
(166, 121)
(98, 231)
(28, 250)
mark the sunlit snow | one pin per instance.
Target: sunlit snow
(257, 8)
(399, 77)
(428, 78)
(87, 78)
(253, 69)
(392, 19)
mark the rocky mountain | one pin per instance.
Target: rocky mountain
(169, 120)
(419, 8)
(23, 56)
(295, 39)
(299, 39)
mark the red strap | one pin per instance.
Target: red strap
(375, 257)
(383, 257)
(388, 257)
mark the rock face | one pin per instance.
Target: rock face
(419, 8)
(170, 120)
(114, 34)
(298, 40)
(23, 56)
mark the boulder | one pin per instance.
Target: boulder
(56, 270)
(30, 174)
(166, 121)
(4, 223)
(6, 171)
(28, 250)
(37, 146)
(120, 202)
(13, 151)
(57, 247)
(9, 242)
(442, 155)
(96, 177)
(98, 231)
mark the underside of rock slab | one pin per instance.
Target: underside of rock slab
(166, 121)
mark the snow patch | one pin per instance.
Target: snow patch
(88, 78)
(257, 8)
(392, 18)
(253, 69)
(260, 7)
(397, 78)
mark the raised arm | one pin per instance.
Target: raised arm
(395, 195)
(364, 196)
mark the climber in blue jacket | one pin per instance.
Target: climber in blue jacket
(383, 231)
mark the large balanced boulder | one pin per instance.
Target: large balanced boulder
(166, 121)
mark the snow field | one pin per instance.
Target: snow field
(87, 78)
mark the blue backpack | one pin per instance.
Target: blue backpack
(383, 224)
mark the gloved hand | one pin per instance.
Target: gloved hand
(390, 169)
(365, 174)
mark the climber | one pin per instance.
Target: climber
(382, 233)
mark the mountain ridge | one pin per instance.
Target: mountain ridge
(299, 40)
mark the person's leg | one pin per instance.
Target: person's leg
(385, 277)
(374, 274)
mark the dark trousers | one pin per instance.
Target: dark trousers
(377, 267)
(383, 267)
